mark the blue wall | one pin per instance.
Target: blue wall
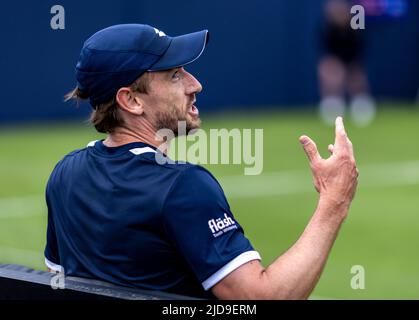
(261, 53)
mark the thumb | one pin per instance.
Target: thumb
(310, 148)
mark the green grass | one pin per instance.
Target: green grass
(381, 232)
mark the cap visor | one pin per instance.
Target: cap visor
(182, 50)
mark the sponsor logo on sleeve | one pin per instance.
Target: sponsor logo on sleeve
(220, 226)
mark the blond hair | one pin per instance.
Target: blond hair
(106, 116)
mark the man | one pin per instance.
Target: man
(118, 215)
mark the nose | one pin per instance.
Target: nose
(193, 86)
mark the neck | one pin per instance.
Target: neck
(124, 135)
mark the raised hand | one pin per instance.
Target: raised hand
(336, 177)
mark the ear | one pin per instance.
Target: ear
(129, 102)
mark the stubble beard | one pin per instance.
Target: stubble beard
(170, 119)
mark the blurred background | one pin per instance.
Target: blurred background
(288, 67)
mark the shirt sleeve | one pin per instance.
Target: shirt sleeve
(52, 258)
(198, 220)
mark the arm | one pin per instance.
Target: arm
(295, 273)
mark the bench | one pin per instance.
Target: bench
(22, 283)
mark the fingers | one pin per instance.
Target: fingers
(342, 142)
(341, 138)
(340, 134)
(310, 149)
(340, 128)
(330, 148)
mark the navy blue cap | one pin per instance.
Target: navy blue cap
(116, 56)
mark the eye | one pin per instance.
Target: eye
(176, 75)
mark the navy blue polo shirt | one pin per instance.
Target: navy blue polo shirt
(119, 215)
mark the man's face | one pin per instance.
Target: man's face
(171, 98)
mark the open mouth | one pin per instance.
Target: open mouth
(193, 110)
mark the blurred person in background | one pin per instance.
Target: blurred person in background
(340, 69)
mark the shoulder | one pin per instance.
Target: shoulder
(195, 175)
(195, 186)
(183, 172)
(69, 157)
(73, 153)
(64, 162)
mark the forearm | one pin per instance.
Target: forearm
(295, 273)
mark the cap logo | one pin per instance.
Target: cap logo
(160, 33)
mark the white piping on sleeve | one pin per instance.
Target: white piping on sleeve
(53, 266)
(230, 267)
